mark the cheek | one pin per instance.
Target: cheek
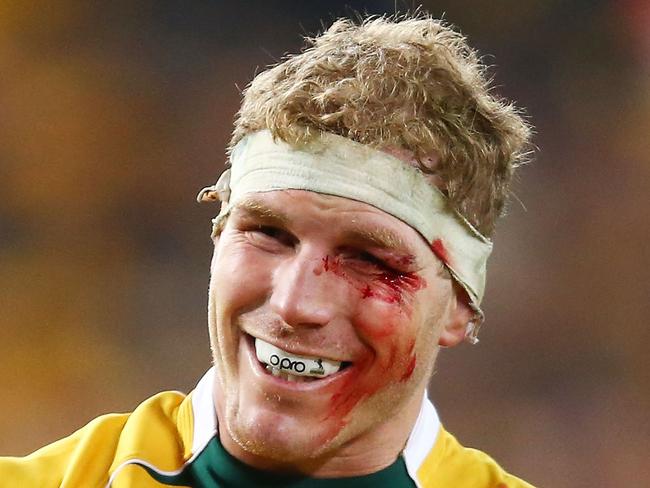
(383, 302)
(391, 336)
(238, 276)
(390, 360)
(385, 320)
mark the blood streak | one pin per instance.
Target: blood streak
(368, 377)
(397, 360)
(386, 285)
(409, 369)
(367, 292)
(411, 363)
(352, 390)
(372, 373)
(326, 263)
(391, 285)
(440, 250)
(333, 264)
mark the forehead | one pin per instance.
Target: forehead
(348, 218)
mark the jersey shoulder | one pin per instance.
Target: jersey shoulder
(91, 454)
(451, 464)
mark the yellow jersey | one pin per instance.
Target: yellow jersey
(171, 440)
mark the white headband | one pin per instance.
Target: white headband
(335, 165)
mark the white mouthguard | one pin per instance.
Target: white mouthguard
(293, 364)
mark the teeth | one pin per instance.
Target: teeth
(290, 366)
(293, 378)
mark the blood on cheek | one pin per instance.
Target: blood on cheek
(370, 375)
(393, 361)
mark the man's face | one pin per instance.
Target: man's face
(324, 278)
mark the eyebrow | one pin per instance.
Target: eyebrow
(379, 237)
(258, 211)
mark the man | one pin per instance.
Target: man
(366, 175)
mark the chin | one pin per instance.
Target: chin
(280, 438)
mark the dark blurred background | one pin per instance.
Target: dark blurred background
(113, 115)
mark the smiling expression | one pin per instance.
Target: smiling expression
(328, 278)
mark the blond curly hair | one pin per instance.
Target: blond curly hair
(410, 83)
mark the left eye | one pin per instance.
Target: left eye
(367, 259)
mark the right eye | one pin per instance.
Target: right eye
(274, 234)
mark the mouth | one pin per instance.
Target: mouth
(294, 368)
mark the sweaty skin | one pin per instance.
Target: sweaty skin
(324, 277)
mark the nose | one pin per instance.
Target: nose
(302, 294)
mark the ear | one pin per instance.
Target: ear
(454, 331)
